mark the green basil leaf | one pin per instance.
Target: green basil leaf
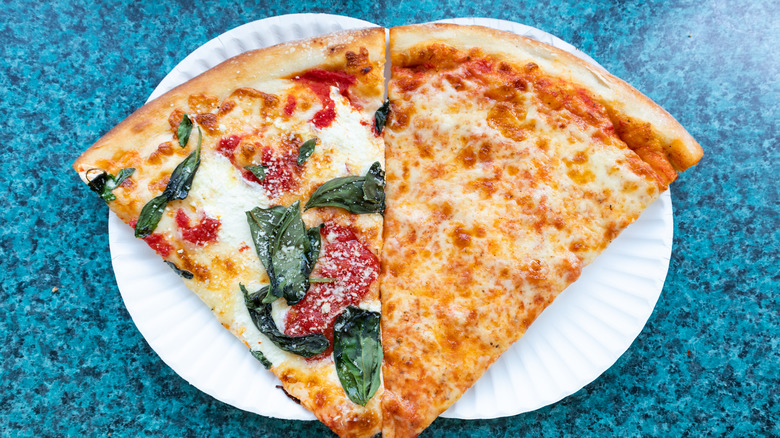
(357, 353)
(98, 183)
(122, 176)
(289, 256)
(181, 179)
(257, 171)
(287, 250)
(104, 183)
(306, 149)
(306, 346)
(263, 360)
(182, 273)
(185, 127)
(312, 246)
(374, 186)
(178, 188)
(254, 301)
(381, 116)
(263, 223)
(356, 194)
(150, 216)
(338, 192)
(322, 280)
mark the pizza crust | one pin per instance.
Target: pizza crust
(681, 150)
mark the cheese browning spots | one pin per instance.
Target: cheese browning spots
(498, 180)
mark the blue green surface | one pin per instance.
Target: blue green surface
(73, 363)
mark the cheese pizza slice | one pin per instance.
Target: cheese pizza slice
(510, 166)
(261, 183)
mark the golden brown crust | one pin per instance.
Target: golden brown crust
(674, 143)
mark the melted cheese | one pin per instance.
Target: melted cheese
(344, 139)
(496, 200)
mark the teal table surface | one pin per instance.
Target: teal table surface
(73, 364)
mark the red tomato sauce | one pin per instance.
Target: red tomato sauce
(158, 243)
(227, 146)
(202, 233)
(320, 82)
(353, 265)
(289, 107)
(282, 167)
(155, 241)
(281, 170)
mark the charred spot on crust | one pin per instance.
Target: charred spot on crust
(288, 394)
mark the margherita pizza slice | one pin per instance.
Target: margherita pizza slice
(260, 182)
(510, 166)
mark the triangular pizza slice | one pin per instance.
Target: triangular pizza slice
(510, 166)
(260, 183)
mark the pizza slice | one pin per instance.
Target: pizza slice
(510, 166)
(260, 182)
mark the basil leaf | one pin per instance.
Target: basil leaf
(306, 149)
(374, 186)
(257, 171)
(380, 116)
(263, 360)
(289, 257)
(337, 192)
(356, 194)
(150, 216)
(104, 183)
(262, 226)
(178, 188)
(185, 127)
(254, 301)
(98, 183)
(306, 346)
(181, 179)
(357, 353)
(287, 250)
(122, 176)
(322, 280)
(182, 273)
(312, 246)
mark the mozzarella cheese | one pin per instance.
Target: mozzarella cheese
(498, 195)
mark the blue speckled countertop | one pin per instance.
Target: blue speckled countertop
(73, 363)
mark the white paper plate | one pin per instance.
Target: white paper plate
(576, 339)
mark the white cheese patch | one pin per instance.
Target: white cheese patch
(348, 140)
(372, 305)
(222, 193)
(279, 309)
